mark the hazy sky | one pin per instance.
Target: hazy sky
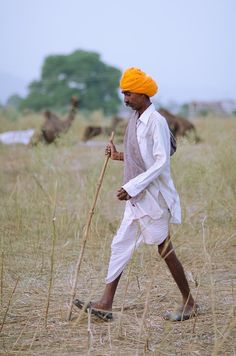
(189, 47)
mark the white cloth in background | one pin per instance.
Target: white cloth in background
(12, 137)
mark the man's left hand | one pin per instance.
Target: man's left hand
(122, 194)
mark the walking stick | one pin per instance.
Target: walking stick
(86, 232)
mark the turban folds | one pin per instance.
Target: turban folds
(135, 80)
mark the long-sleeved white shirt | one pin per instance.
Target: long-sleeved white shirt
(154, 142)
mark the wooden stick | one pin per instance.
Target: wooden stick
(86, 231)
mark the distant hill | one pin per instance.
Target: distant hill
(9, 85)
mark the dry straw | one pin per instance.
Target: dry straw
(8, 305)
(52, 256)
(1, 286)
(205, 178)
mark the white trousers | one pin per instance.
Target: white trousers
(133, 232)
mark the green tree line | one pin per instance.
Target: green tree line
(80, 73)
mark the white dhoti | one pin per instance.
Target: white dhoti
(133, 232)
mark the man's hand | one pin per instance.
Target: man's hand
(111, 150)
(122, 194)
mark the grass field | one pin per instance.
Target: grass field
(46, 195)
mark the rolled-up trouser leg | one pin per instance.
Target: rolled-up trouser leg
(123, 245)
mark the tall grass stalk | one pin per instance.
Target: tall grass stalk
(224, 334)
(119, 327)
(1, 283)
(90, 334)
(21, 333)
(209, 265)
(146, 305)
(54, 235)
(35, 334)
(8, 305)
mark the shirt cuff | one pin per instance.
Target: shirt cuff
(131, 189)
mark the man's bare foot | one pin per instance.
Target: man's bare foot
(185, 312)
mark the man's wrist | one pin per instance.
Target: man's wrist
(119, 156)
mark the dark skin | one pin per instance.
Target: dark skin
(140, 103)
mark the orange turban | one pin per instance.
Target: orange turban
(136, 81)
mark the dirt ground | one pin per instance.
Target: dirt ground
(39, 254)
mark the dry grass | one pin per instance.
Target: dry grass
(46, 194)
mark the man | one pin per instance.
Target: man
(152, 202)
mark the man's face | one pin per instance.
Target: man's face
(133, 100)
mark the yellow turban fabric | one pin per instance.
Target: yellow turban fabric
(136, 81)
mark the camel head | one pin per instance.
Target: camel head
(47, 114)
(74, 101)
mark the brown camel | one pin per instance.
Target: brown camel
(52, 126)
(178, 125)
(117, 124)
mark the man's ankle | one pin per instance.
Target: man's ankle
(189, 301)
(104, 304)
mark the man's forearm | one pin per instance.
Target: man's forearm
(137, 184)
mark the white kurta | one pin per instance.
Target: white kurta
(154, 142)
(147, 220)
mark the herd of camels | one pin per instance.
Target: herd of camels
(53, 126)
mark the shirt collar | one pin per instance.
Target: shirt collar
(146, 114)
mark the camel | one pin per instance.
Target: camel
(53, 127)
(178, 126)
(117, 124)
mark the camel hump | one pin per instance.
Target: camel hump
(91, 131)
(178, 125)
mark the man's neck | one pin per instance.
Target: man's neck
(144, 107)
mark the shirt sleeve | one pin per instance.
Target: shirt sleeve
(161, 154)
